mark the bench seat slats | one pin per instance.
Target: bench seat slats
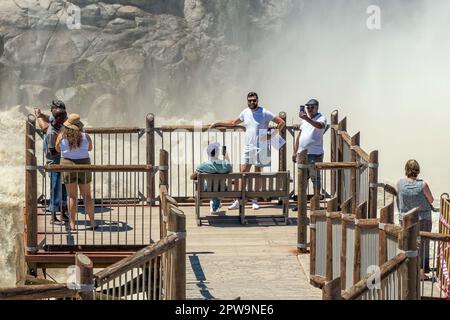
(243, 186)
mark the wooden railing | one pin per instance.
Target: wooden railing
(361, 183)
(122, 189)
(350, 179)
(395, 279)
(157, 272)
(435, 255)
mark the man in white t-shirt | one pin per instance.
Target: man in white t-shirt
(256, 151)
(310, 138)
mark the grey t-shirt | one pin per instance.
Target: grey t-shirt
(50, 143)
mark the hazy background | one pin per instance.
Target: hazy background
(392, 83)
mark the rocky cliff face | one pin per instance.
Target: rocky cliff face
(147, 56)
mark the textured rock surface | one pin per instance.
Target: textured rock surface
(153, 54)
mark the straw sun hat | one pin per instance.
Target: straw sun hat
(73, 122)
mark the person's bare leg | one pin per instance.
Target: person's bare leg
(235, 204)
(257, 188)
(258, 182)
(85, 190)
(73, 196)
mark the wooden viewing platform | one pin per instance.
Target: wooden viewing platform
(149, 235)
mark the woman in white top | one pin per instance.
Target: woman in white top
(74, 145)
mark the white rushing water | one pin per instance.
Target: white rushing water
(12, 177)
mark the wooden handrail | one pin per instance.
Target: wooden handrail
(112, 130)
(43, 291)
(346, 137)
(135, 260)
(166, 128)
(97, 168)
(435, 236)
(386, 269)
(204, 128)
(336, 165)
(390, 189)
(361, 153)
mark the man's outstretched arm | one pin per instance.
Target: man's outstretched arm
(280, 122)
(314, 123)
(225, 123)
(42, 119)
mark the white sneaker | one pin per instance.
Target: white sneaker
(234, 205)
(211, 210)
(255, 205)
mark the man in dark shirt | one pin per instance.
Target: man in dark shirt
(58, 192)
(45, 120)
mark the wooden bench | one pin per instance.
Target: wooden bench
(243, 187)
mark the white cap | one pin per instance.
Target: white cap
(215, 146)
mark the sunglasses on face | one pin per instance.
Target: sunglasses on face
(310, 107)
(252, 100)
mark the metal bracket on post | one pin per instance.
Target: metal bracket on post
(40, 198)
(142, 197)
(148, 130)
(291, 131)
(409, 253)
(143, 131)
(180, 235)
(159, 132)
(40, 133)
(159, 168)
(361, 164)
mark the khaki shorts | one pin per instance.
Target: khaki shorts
(76, 177)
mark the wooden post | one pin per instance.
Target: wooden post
(150, 148)
(312, 248)
(164, 173)
(332, 206)
(333, 153)
(353, 191)
(385, 216)
(302, 183)
(361, 211)
(314, 202)
(357, 254)
(373, 184)
(179, 255)
(85, 276)
(332, 290)
(282, 155)
(31, 186)
(408, 243)
(163, 181)
(344, 253)
(342, 126)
